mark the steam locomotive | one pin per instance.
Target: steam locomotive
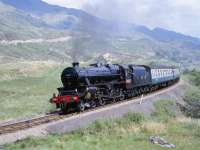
(98, 84)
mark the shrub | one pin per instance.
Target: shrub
(194, 76)
(134, 117)
(192, 100)
(165, 109)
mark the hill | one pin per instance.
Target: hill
(15, 24)
(92, 39)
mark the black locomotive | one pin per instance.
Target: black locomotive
(99, 84)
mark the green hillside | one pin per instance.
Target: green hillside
(17, 25)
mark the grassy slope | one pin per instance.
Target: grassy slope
(26, 89)
(86, 49)
(130, 132)
(39, 51)
(89, 50)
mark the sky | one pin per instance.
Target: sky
(178, 15)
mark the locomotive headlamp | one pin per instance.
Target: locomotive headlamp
(76, 98)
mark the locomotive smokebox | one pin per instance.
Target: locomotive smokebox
(75, 64)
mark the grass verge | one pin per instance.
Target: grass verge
(130, 133)
(26, 92)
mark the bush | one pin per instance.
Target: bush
(192, 100)
(134, 117)
(192, 96)
(194, 76)
(165, 109)
(191, 107)
(108, 125)
(101, 126)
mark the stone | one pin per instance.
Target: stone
(160, 141)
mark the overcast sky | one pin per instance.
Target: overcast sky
(178, 15)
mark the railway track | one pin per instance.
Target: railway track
(12, 127)
(30, 123)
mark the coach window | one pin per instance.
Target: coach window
(159, 73)
(156, 73)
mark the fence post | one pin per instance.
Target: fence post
(141, 99)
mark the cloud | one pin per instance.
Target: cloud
(68, 3)
(178, 15)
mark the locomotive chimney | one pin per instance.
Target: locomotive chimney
(75, 64)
